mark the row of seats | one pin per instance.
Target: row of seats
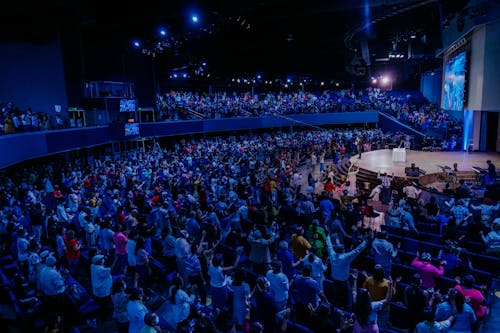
(412, 245)
(25, 306)
(28, 306)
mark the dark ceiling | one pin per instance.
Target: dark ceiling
(268, 36)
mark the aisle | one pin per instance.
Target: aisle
(493, 321)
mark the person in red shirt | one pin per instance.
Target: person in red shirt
(120, 216)
(57, 192)
(157, 198)
(72, 251)
(477, 300)
(329, 186)
(202, 197)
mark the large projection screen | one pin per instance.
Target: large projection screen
(454, 82)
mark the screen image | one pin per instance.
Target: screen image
(454, 83)
(127, 105)
(132, 129)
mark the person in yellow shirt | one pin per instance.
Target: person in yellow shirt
(378, 287)
(299, 243)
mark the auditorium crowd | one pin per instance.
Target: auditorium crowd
(253, 232)
(409, 108)
(14, 120)
(443, 130)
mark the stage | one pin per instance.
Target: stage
(429, 162)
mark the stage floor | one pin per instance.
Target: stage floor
(381, 160)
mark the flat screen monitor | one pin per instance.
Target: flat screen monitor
(132, 129)
(454, 82)
(128, 105)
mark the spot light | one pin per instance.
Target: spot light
(195, 19)
(163, 32)
(136, 43)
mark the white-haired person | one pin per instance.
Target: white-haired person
(101, 280)
(53, 286)
(492, 239)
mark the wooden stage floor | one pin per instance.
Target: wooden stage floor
(427, 161)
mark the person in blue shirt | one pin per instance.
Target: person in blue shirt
(340, 264)
(241, 298)
(193, 273)
(431, 325)
(383, 252)
(407, 220)
(287, 260)
(264, 305)
(308, 293)
(326, 206)
(465, 317)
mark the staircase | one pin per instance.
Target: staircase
(365, 179)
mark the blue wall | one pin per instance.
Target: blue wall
(19, 147)
(32, 75)
(431, 85)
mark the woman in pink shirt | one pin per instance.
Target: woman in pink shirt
(477, 300)
(121, 258)
(428, 271)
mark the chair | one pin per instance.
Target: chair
(470, 145)
(445, 283)
(474, 246)
(82, 303)
(405, 271)
(399, 315)
(293, 327)
(410, 245)
(483, 277)
(485, 263)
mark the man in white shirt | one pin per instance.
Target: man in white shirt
(412, 195)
